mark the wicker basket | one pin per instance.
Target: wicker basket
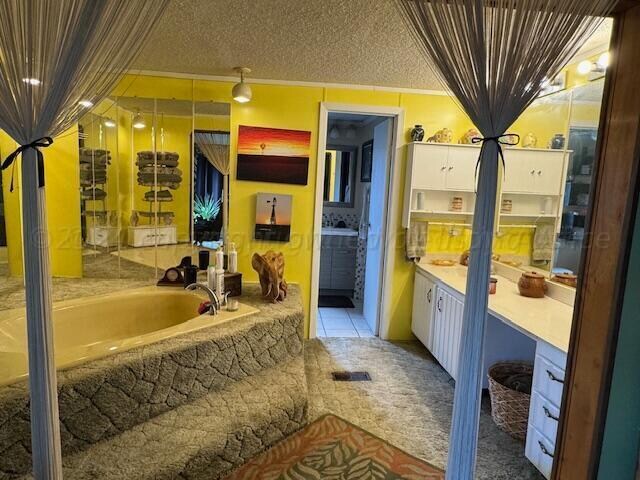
(509, 407)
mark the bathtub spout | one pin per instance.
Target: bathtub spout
(213, 298)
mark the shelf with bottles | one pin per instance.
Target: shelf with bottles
(426, 202)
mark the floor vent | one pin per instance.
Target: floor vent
(351, 376)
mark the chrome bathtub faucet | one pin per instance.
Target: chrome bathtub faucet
(214, 303)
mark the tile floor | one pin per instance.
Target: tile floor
(342, 322)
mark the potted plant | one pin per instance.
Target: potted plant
(207, 218)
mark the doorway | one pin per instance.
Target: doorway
(352, 244)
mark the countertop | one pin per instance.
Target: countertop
(539, 318)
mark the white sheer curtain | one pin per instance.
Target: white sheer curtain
(56, 56)
(494, 56)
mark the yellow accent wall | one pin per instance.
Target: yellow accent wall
(63, 206)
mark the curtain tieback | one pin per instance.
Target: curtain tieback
(504, 139)
(36, 145)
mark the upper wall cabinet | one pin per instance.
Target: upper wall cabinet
(538, 172)
(438, 168)
(441, 181)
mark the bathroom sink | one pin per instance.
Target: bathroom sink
(347, 232)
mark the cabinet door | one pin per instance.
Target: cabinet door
(424, 294)
(461, 166)
(519, 171)
(325, 268)
(343, 268)
(549, 169)
(452, 309)
(429, 163)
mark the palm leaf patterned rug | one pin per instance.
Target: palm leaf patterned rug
(333, 449)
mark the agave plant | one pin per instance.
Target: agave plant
(206, 208)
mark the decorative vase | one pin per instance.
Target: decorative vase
(529, 141)
(417, 133)
(532, 284)
(557, 142)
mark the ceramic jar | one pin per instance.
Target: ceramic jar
(417, 133)
(456, 204)
(493, 283)
(532, 284)
(557, 142)
(568, 279)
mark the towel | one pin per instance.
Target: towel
(416, 241)
(543, 241)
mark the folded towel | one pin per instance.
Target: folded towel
(543, 242)
(416, 241)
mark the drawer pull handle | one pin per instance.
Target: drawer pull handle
(544, 449)
(440, 304)
(548, 414)
(554, 378)
(429, 296)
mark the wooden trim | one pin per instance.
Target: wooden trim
(604, 261)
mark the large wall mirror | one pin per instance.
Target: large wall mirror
(153, 177)
(340, 176)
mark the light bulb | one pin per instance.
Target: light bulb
(603, 60)
(584, 67)
(86, 103)
(31, 81)
(138, 121)
(109, 122)
(334, 133)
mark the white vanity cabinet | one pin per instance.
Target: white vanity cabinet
(424, 300)
(447, 329)
(437, 320)
(438, 168)
(544, 409)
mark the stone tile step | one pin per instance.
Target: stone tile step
(204, 439)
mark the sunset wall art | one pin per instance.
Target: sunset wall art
(273, 155)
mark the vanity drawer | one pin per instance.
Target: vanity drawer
(539, 451)
(548, 380)
(543, 416)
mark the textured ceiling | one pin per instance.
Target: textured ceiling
(333, 41)
(342, 41)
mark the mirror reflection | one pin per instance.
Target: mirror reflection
(339, 177)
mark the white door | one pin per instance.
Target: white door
(429, 166)
(461, 167)
(424, 297)
(377, 220)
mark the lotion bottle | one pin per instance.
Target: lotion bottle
(220, 283)
(220, 259)
(233, 259)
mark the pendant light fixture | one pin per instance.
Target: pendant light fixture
(138, 120)
(241, 91)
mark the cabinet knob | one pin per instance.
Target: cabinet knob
(553, 377)
(439, 305)
(429, 296)
(450, 168)
(544, 449)
(532, 172)
(548, 414)
(444, 167)
(539, 172)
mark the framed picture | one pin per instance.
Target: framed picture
(273, 155)
(273, 217)
(367, 161)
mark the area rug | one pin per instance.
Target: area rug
(333, 449)
(334, 301)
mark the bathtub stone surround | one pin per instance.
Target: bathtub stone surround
(213, 398)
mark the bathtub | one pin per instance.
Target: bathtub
(93, 327)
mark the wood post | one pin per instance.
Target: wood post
(45, 427)
(604, 260)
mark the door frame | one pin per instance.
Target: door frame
(391, 215)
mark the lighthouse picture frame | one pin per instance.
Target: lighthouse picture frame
(273, 217)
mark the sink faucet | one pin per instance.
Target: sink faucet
(213, 298)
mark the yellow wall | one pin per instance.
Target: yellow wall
(63, 206)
